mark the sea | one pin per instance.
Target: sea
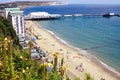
(99, 36)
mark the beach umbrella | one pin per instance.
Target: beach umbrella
(33, 39)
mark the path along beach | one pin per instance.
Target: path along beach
(76, 63)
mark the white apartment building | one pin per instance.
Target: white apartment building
(7, 10)
(17, 19)
(18, 24)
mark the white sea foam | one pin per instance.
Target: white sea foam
(61, 40)
(50, 32)
(109, 68)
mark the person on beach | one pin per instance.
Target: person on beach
(80, 67)
(81, 64)
(77, 67)
(67, 56)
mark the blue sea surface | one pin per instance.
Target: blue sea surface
(100, 36)
(75, 9)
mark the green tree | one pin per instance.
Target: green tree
(62, 61)
(54, 76)
(88, 76)
(44, 74)
(55, 61)
(8, 71)
(6, 30)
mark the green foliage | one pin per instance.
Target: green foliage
(44, 73)
(30, 46)
(8, 71)
(62, 71)
(54, 76)
(17, 65)
(55, 61)
(77, 78)
(88, 76)
(6, 29)
(67, 78)
(23, 61)
(62, 61)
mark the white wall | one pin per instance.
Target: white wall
(18, 24)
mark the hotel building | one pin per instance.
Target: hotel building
(17, 19)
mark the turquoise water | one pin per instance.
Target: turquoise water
(99, 36)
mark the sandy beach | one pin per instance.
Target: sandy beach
(76, 63)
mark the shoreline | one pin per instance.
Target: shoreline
(82, 52)
(91, 59)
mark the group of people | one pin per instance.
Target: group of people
(80, 67)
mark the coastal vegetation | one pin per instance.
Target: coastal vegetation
(6, 30)
(17, 64)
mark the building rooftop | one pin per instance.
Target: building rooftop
(16, 12)
(12, 9)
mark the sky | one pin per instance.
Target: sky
(74, 1)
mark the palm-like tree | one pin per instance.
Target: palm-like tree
(88, 76)
(55, 61)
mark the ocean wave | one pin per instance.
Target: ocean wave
(61, 40)
(109, 67)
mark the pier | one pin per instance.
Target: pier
(41, 16)
(102, 15)
(47, 16)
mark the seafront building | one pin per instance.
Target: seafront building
(17, 19)
(7, 10)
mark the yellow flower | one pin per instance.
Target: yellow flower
(55, 54)
(5, 39)
(1, 64)
(1, 49)
(27, 67)
(44, 64)
(49, 64)
(9, 41)
(21, 57)
(23, 71)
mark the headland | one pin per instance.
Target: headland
(24, 4)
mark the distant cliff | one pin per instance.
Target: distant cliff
(25, 4)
